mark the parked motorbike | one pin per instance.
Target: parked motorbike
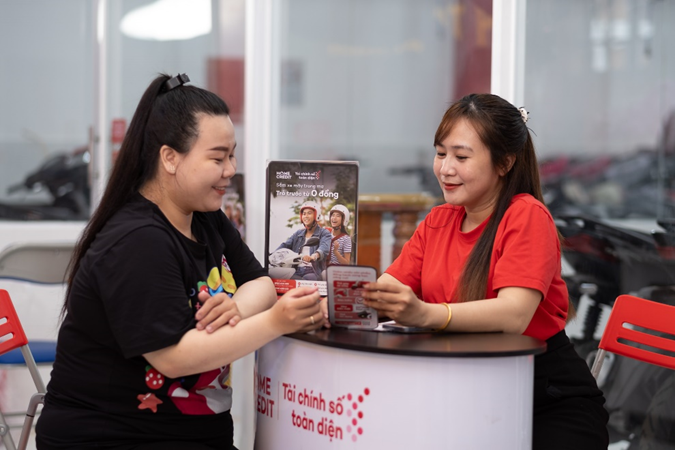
(65, 177)
(606, 261)
(610, 187)
(284, 261)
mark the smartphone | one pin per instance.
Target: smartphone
(345, 296)
(398, 328)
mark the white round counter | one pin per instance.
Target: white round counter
(349, 389)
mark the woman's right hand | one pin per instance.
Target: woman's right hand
(396, 301)
(298, 310)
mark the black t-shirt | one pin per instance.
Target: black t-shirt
(136, 292)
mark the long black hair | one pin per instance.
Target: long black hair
(167, 114)
(502, 128)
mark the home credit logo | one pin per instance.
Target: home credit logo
(338, 418)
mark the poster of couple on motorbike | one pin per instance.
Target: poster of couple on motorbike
(311, 220)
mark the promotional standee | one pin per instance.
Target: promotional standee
(311, 221)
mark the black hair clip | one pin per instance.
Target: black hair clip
(176, 81)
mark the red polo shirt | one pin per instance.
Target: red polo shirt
(526, 253)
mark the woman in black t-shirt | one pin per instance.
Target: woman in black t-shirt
(163, 294)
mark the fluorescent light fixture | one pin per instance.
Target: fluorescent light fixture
(168, 20)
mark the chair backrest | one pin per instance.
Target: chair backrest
(658, 318)
(11, 332)
(37, 262)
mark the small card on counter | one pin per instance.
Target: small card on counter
(345, 297)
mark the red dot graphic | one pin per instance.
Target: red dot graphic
(355, 405)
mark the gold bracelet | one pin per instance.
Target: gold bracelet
(447, 322)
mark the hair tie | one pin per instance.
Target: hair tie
(524, 114)
(176, 81)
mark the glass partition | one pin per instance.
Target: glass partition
(599, 86)
(369, 81)
(599, 83)
(46, 84)
(64, 71)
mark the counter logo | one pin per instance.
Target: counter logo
(338, 419)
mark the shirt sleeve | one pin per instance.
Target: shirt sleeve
(142, 286)
(528, 250)
(407, 267)
(346, 244)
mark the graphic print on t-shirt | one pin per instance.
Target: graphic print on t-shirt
(219, 281)
(214, 282)
(229, 286)
(211, 393)
(205, 396)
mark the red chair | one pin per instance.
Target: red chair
(656, 318)
(12, 337)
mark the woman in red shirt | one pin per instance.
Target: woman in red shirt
(489, 261)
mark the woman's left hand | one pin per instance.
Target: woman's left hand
(396, 301)
(216, 311)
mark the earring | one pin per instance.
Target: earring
(172, 169)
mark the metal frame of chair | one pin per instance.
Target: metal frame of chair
(620, 339)
(12, 337)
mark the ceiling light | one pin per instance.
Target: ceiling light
(168, 20)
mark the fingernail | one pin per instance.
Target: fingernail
(200, 326)
(209, 329)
